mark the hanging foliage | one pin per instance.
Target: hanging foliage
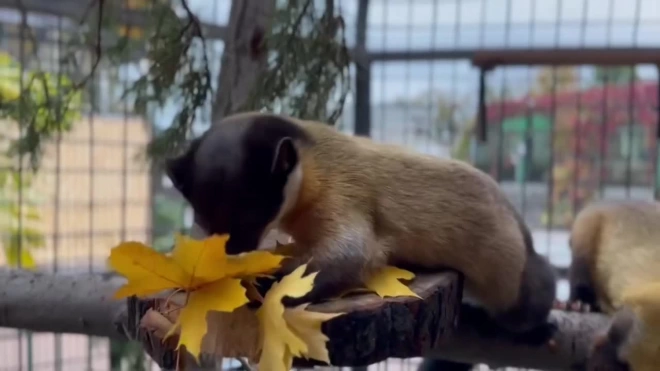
(306, 76)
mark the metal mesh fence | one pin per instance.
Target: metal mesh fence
(558, 137)
(88, 195)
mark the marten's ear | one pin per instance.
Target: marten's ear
(285, 157)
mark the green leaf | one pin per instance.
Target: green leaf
(28, 212)
(16, 258)
(305, 41)
(29, 237)
(4, 175)
(7, 62)
(47, 105)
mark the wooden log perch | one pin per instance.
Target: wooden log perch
(373, 329)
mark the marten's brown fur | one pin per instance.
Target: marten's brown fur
(615, 253)
(614, 245)
(353, 205)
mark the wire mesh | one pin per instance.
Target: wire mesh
(558, 137)
(88, 194)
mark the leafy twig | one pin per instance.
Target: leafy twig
(174, 70)
(97, 46)
(308, 64)
(307, 67)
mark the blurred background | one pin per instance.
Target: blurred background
(557, 137)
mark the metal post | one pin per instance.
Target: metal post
(656, 179)
(482, 105)
(362, 125)
(362, 74)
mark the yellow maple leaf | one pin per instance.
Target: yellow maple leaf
(274, 353)
(276, 336)
(203, 259)
(193, 263)
(223, 295)
(255, 263)
(291, 332)
(307, 325)
(206, 260)
(147, 271)
(386, 282)
(200, 267)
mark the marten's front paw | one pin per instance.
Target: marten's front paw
(573, 306)
(313, 296)
(560, 305)
(289, 302)
(253, 305)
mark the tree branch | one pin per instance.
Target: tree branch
(82, 304)
(574, 336)
(78, 10)
(98, 53)
(241, 68)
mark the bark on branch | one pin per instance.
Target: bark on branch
(242, 59)
(572, 340)
(82, 304)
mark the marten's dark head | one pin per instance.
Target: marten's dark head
(241, 176)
